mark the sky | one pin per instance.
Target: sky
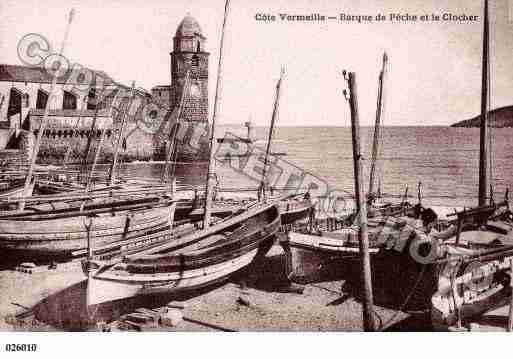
(434, 73)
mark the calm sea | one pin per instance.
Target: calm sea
(444, 159)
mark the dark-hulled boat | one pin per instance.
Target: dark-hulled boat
(295, 209)
(190, 262)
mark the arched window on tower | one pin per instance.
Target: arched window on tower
(69, 101)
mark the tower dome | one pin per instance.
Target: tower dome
(188, 27)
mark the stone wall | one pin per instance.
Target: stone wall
(138, 145)
(195, 107)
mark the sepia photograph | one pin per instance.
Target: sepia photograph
(255, 166)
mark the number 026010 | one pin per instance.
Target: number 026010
(20, 347)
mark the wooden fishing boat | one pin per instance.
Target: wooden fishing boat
(469, 287)
(187, 209)
(61, 232)
(189, 262)
(316, 254)
(485, 232)
(314, 250)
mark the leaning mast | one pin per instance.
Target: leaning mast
(377, 125)
(211, 164)
(271, 131)
(44, 120)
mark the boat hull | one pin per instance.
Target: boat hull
(292, 212)
(189, 263)
(474, 291)
(64, 236)
(103, 291)
(312, 258)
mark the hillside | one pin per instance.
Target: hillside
(500, 117)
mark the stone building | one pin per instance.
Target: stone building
(188, 56)
(24, 92)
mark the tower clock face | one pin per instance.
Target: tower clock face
(194, 90)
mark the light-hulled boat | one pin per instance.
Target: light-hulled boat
(65, 232)
(479, 279)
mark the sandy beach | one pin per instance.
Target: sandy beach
(49, 299)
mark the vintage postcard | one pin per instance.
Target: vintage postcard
(255, 166)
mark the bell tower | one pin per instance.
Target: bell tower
(189, 55)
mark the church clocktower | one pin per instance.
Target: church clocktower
(189, 55)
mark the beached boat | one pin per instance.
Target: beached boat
(474, 273)
(315, 248)
(479, 279)
(65, 232)
(189, 262)
(316, 251)
(472, 286)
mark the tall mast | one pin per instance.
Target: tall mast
(211, 164)
(377, 125)
(112, 176)
(44, 120)
(483, 148)
(271, 131)
(368, 302)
